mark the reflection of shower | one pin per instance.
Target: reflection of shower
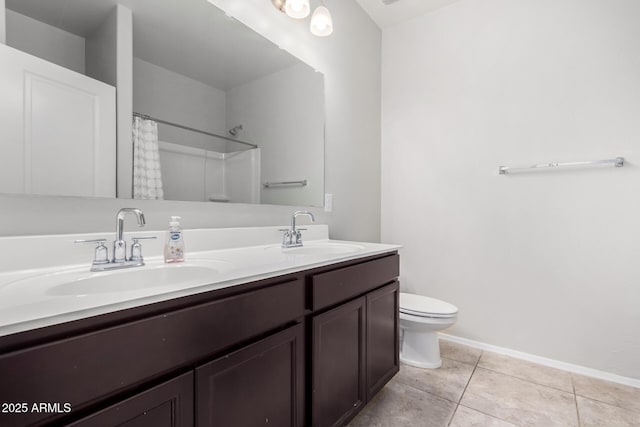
(234, 131)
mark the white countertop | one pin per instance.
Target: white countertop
(40, 296)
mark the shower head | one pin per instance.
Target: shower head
(234, 131)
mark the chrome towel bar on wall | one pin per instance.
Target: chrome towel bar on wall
(302, 183)
(617, 162)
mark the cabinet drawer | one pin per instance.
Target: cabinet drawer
(84, 369)
(340, 285)
(168, 405)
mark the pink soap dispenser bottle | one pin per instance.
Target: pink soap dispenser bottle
(174, 245)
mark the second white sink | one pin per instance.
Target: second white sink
(320, 249)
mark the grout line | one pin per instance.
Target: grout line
(453, 415)
(480, 357)
(469, 380)
(489, 415)
(524, 379)
(615, 405)
(428, 392)
(457, 361)
(575, 399)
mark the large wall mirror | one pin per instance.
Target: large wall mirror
(216, 112)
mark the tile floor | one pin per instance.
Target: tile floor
(482, 389)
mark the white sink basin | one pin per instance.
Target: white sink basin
(132, 280)
(42, 295)
(80, 282)
(320, 249)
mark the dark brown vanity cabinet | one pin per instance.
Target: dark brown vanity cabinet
(383, 356)
(355, 353)
(304, 349)
(355, 344)
(259, 385)
(339, 357)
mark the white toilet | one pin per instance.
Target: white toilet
(420, 320)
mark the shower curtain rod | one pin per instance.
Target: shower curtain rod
(144, 116)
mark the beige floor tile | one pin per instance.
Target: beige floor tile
(466, 417)
(518, 401)
(615, 394)
(459, 352)
(398, 405)
(448, 381)
(598, 414)
(522, 369)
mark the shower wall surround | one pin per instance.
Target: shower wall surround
(545, 263)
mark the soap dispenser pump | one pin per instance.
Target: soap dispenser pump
(174, 246)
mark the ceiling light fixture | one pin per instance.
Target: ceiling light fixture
(297, 9)
(321, 21)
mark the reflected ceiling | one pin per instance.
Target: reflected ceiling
(166, 34)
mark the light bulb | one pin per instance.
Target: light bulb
(321, 22)
(297, 9)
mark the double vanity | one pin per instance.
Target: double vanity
(244, 333)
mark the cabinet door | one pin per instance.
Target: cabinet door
(338, 364)
(262, 384)
(58, 129)
(167, 405)
(382, 337)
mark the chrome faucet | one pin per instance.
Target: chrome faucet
(119, 245)
(101, 260)
(293, 237)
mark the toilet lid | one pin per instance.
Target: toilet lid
(419, 305)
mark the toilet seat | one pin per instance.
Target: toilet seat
(421, 306)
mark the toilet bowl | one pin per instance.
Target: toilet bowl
(420, 320)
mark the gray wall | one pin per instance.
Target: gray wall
(101, 51)
(350, 61)
(3, 33)
(45, 41)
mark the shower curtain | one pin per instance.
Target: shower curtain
(147, 178)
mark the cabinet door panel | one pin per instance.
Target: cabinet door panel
(262, 384)
(338, 364)
(59, 129)
(382, 337)
(167, 405)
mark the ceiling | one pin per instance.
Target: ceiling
(189, 37)
(400, 10)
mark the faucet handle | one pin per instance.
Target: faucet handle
(136, 247)
(287, 237)
(101, 255)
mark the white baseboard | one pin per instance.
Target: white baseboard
(576, 369)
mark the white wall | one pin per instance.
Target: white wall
(3, 24)
(545, 263)
(350, 61)
(45, 41)
(294, 95)
(164, 94)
